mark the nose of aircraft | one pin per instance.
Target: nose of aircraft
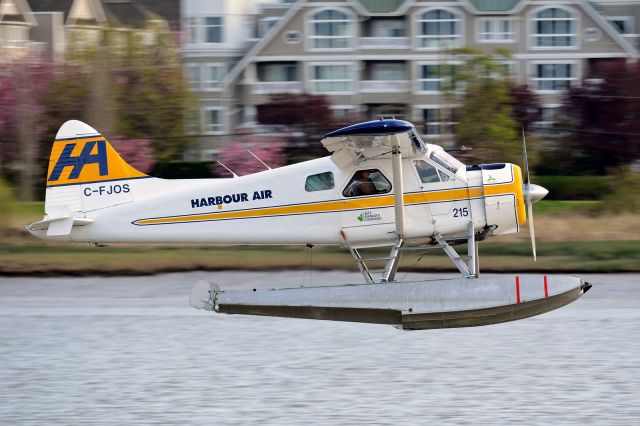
(534, 192)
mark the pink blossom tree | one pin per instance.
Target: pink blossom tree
(137, 152)
(234, 155)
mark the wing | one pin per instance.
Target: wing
(371, 139)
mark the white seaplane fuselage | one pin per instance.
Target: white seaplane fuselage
(274, 207)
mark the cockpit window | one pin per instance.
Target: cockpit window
(319, 182)
(367, 182)
(445, 160)
(427, 173)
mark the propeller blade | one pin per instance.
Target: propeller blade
(525, 159)
(532, 232)
(527, 197)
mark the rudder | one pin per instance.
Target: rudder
(82, 162)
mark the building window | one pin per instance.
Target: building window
(212, 75)
(554, 76)
(547, 116)
(438, 121)
(387, 28)
(192, 72)
(319, 182)
(436, 78)
(331, 29)
(266, 24)
(439, 29)
(292, 37)
(332, 78)
(213, 120)
(192, 124)
(623, 24)
(554, 27)
(496, 30)
(286, 71)
(213, 27)
(388, 71)
(190, 30)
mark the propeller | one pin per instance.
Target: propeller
(532, 193)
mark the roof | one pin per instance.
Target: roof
(494, 5)
(381, 6)
(125, 13)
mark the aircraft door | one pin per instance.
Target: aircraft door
(367, 211)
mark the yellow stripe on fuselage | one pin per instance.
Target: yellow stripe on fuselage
(338, 205)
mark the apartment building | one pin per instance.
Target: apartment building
(373, 57)
(51, 29)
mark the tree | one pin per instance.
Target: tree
(305, 113)
(602, 121)
(525, 105)
(152, 98)
(138, 153)
(486, 116)
(269, 149)
(23, 120)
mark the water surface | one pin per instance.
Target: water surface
(126, 350)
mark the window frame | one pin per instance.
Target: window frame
(418, 20)
(574, 17)
(629, 22)
(574, 79)
(441, 79)
(333, 182)
(204, 80)
(205, 126)
(206, 27)
(193, 85)
(311, 81)
(480, 30)
(450, 124)
(352, 177)
(352, 31)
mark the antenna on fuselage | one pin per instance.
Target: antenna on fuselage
(228, 169)
(257, 158)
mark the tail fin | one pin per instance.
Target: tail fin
(81, 162)
(81, 155)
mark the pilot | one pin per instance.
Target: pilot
(362, 184)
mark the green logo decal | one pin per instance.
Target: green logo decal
(361, 217)
(491, 178)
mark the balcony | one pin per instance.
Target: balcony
(385, 42)
(272, 87)
(380, 86)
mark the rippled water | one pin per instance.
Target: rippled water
(131, 351)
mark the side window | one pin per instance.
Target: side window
(319, 182)
(427, 173)
(367, 182)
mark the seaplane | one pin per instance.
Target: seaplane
(381, 186)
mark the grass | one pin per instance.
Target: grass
(74, 259)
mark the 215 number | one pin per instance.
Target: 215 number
(462, 212)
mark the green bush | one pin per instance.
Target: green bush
(625, 194)
(575, 187)
(6, 207)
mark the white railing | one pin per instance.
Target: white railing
(269, 87)
(384, 86)
(384, 42)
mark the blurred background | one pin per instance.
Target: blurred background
(177, 85)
